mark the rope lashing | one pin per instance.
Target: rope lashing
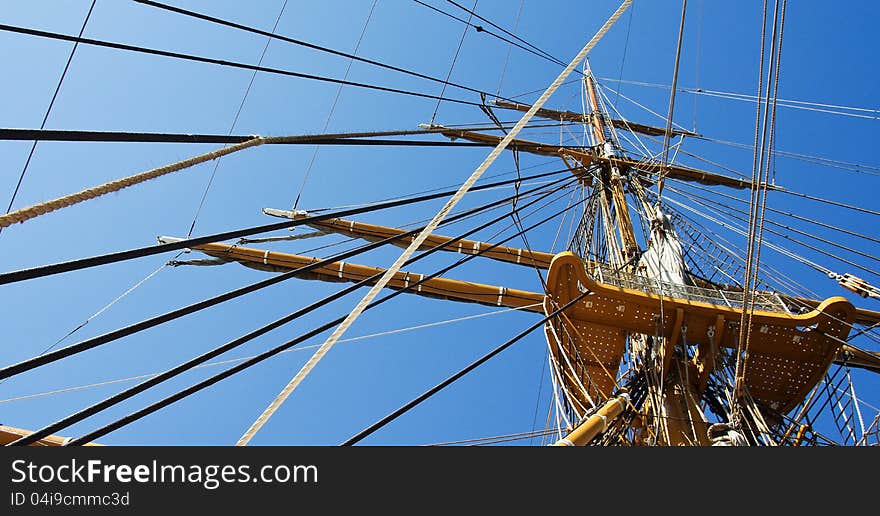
(31, 212)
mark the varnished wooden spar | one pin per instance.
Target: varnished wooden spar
(443, 288)
(613, 179)
(597, 423)
(586, 158)
(9, 434)
(571, 116)
(456, 290)
(374, 233)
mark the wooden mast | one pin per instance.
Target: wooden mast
(613, 176)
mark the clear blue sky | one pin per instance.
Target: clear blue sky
(828, 57)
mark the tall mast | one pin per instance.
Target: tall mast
(612, 177)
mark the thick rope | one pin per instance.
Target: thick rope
(757, 202)
(19, 216)
(753, 282)
(27, 162)
(426, 232)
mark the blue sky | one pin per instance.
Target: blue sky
(827, 57)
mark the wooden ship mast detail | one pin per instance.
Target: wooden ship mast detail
(643, 346)
(641, 305)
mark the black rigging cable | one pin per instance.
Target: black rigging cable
(826, 201)
(104, 259)
(667, 133)
(480, 28)
(473, 13)
(99, 340)
(222, 62)
(312, 46)
(788, 237)
(49, 109)
(64, 135)
(509, 48)
(440, 386)
(787, 213)
(623, 59)
(132, 391)
(244, 98)
(274, 351)
(451, 67)
(317, 148)
(777, 224)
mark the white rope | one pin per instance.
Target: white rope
(778, 277)
(796, 104)
(741, 232)
(601, 90)
(495, 438)
(556, 379)
(242, 359)
(579, 384)
(104, 309)
(829, 162)
(420, 239)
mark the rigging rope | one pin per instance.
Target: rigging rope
(870, 113)
(452, 65)
(49, 109)
(625, 47)
(104, 309)
(814, 237)
(91, 343)
(110, 304)
(24, 214)
(497, 438)
(756, 220)
(509, 48)
(741, 232)
(828, 162)
(357, 46)
(873, 114)
(272, 35)
(667, 133)
(418, 240)
(502, 29)
(306, 139)
(93, 261)
(696, 57)
(242, 359)
(731, 249)
(244, 97)
(826, 201)
(540, 390)
(786, 213)
(440, 386)
(268, 354)
(480, 28)
(221, 62)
